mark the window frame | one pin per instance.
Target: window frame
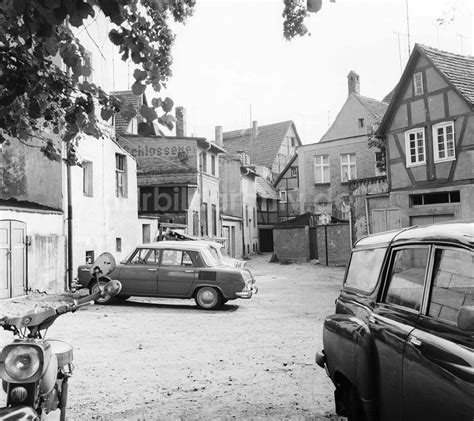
(321, 167)
(426, 279)
(418, 84)
(87, 178)
(430, 282)
(408, 155)
(213, 165)
(349, 164)
(120, 175)
(436, 151)
(283, 196)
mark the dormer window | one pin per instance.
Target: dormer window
(418, 83)
(361, 123)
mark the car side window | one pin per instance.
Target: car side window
(453, 283)
(364, 269)
(140, 257)
(176, 258)
(153, 258)
(407, 275)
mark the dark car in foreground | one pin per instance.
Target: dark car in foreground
(173, 269)
(400, 345)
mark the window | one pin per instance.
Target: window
(214, 219)
(176, 258)
(294, 171)
(379, 164)
(213, 164)
(120, 175)
(407, 277)
(89, 257)
(418, 83)
(434, 198)
(364, 269)
(361, 122)
(348, 167)
(254, 217)
(415, 147)
(146, 233)
(87, 178)
(321, 169)
(443, 142)
(203, 161)
(118, 244)
(453, 283)
(283, 196)
(204, 229)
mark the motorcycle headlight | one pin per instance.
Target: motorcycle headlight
(22, 362)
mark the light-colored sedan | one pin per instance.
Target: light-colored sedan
(176, 269)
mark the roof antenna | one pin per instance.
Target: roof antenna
(408, 29)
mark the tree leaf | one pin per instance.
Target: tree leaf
(140, 75)
(156, 102)
(116, 37)
(138, 88)
(145, 129)
(148, 113)
(51, 46)
(167, 105)
(106, 113)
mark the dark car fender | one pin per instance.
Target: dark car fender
(349, 350)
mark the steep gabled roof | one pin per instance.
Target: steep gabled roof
(375, 111)
(128, 97)
(265, 145)
(265, 189)
(457, 70)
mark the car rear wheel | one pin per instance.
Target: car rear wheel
(208, 298)
(352, 404)
(93, 288)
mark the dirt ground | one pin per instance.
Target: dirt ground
(166, 359)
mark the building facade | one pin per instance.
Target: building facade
(428, 132)
(328, 168)
(287, 185)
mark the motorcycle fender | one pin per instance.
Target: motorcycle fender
(22, 413)
(50, 374)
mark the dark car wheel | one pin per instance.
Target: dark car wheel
(208, 298)
(93, 288)
(352, 404)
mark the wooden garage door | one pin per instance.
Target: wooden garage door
(430, 219)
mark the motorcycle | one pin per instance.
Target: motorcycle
(35, 372)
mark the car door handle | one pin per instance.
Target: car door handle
(152, 270)
(189, 270)
(413, 340)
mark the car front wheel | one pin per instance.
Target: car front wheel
(208, 298)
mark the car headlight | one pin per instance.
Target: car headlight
(22, 362)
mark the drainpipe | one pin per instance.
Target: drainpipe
(70, 278)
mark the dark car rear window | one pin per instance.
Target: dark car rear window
(364, 269)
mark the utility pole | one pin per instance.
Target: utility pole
(399, 49)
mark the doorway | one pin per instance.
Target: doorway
(12, 258)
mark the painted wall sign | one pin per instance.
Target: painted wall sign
(164, 199)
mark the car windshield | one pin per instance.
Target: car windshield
(364, 269)
(208, 257)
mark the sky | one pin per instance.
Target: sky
(232, 65)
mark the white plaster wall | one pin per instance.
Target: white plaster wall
(46, 248)
(100, 219)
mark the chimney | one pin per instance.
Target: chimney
(180, 113)
(353, 83)
(255, 129)
(219, 136)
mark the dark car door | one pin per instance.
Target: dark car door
(438, 370)
(139, 276)
(393, 320)
(176, 273)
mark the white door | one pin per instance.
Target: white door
(12, 258)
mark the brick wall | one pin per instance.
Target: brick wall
(333, 242)
(291, 243)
